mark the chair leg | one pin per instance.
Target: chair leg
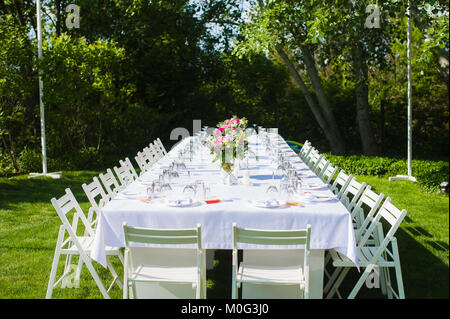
(338, 282)
(78, 273)
(234, 289)
(116, 278)
(332, 280)
(361, 280)
(55, 262)
(67, 268)
(398, 270)
(94, 275)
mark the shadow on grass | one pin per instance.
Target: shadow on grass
(425, 276)
(42, 189)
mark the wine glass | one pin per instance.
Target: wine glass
(189, 192)
(150, 190)
(272, 192)
(206, 191)
(166, 190)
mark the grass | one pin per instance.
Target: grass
(29, 227)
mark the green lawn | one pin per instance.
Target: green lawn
(29, 227)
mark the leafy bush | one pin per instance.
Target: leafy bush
(30, 161)
(429, 174)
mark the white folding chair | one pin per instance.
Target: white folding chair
(160, 145)
(152, 154)
(145, 160)
(370, 201)
(305, 150)
(74, 244)
(351, 194)
(266, 274)
(92, 191)
(373, 258)
(183, 267)
(340, 183)
(141, 161)
(327, 174)
(321, 166)
(313, 158)
(127, 163)
(124, 175)
(110, 183)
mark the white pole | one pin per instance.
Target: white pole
(409, 115)
(41, 85)
(409, 93)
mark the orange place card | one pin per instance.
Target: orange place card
(213, 201)
(145, 200)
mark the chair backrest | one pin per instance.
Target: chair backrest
(109, 181)
(142, 163)
(327, 174)
(340, 183)
(148, 157)
(305, 150)
(124, 174)
(159, 144)
(313, 157)
(393, 218)
(153, 153)
(162, 236)
(354, 190)
(127, 163)
(68, 203)
(274, 237)
(93, 190)
(321, 165)
(371, 200)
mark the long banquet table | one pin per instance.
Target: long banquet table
(331, 223)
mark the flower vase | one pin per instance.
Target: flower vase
(227, 174)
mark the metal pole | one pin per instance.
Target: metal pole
(41, 85)
(409, 115)
(409, 92)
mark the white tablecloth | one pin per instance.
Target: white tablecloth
(331, 223)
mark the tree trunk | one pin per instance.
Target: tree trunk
(322, 97)
(329, 134)
(366, 132)
(58, 16)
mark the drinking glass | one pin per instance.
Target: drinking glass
(189, 192)
(272, 192)
(150, 190)
(166, 190)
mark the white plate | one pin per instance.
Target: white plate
(324, 198)
(266, 204)
(180, 203)
(129, 194)
(313, 186)
(307, 197)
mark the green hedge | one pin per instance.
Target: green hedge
(429, 174)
